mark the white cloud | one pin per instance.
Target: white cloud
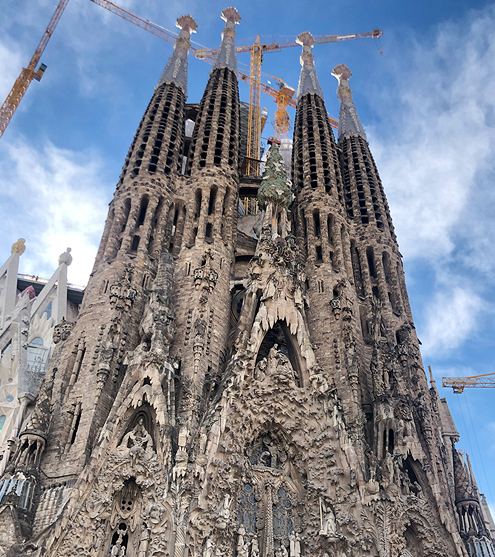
(11, 62)
(63, 197)
(438, 169)
(440, 145)
(451, 318)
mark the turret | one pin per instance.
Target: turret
(138, 228)
(472, 526)
(216, 132)
(323, 232)
(210, 195)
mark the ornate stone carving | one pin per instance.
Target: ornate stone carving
(62, 331)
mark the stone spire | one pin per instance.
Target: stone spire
(275, 187)
(176, 69)
(349, 123)
(226, 55)
(463, 487)
(308, 80)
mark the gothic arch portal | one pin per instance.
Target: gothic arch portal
(279, 338)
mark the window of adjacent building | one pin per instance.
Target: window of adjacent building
(7, 348)
(37, 355)
(2, 421)
(48, 310)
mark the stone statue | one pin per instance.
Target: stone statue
(144, 541)
(224, 512)
(242, 546)
(118, 549)
(138, 437)
(328, 526)
(255, 549)
(295, 545)
(66, 257)
(260, 370)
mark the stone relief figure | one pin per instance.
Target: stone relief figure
(278, 360)
(281, 551)
(209, 549)
(144, 541)
(223, 515)
(136, 439)
(260, 370)
(328, 525)
(295, 545)
(118, 549)
(255, 549)
(242, 544)
(181, 456)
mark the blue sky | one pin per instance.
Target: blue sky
(427, 103)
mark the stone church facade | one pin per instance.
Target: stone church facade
(242, 385)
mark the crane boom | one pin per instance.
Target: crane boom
(28, 74)
(142, 22)
(458, 384)
(276, 47)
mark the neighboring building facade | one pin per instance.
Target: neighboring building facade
(240, 382)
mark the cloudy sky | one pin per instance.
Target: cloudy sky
(427, 103)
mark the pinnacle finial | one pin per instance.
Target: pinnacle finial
(275, 187)
(176, 69)
(308, 80)
(226, 54)
(349, 123)
(19, 246)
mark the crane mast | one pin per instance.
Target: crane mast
(28, 74)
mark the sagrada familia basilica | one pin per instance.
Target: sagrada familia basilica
(231, 384)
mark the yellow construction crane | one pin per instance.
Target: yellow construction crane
(283, 97)
(458, 384)
(257, 49)
(28, 74)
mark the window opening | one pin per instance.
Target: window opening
(48, 310)
(197, 208)
(76, 427)
(142, 210)
(371, 262)
(248, 509)
(356, 268)
(37, 356)
(211, 203)
(330, 229)
(316, 221)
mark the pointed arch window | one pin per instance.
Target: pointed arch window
(268, 497)
(248, 508)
